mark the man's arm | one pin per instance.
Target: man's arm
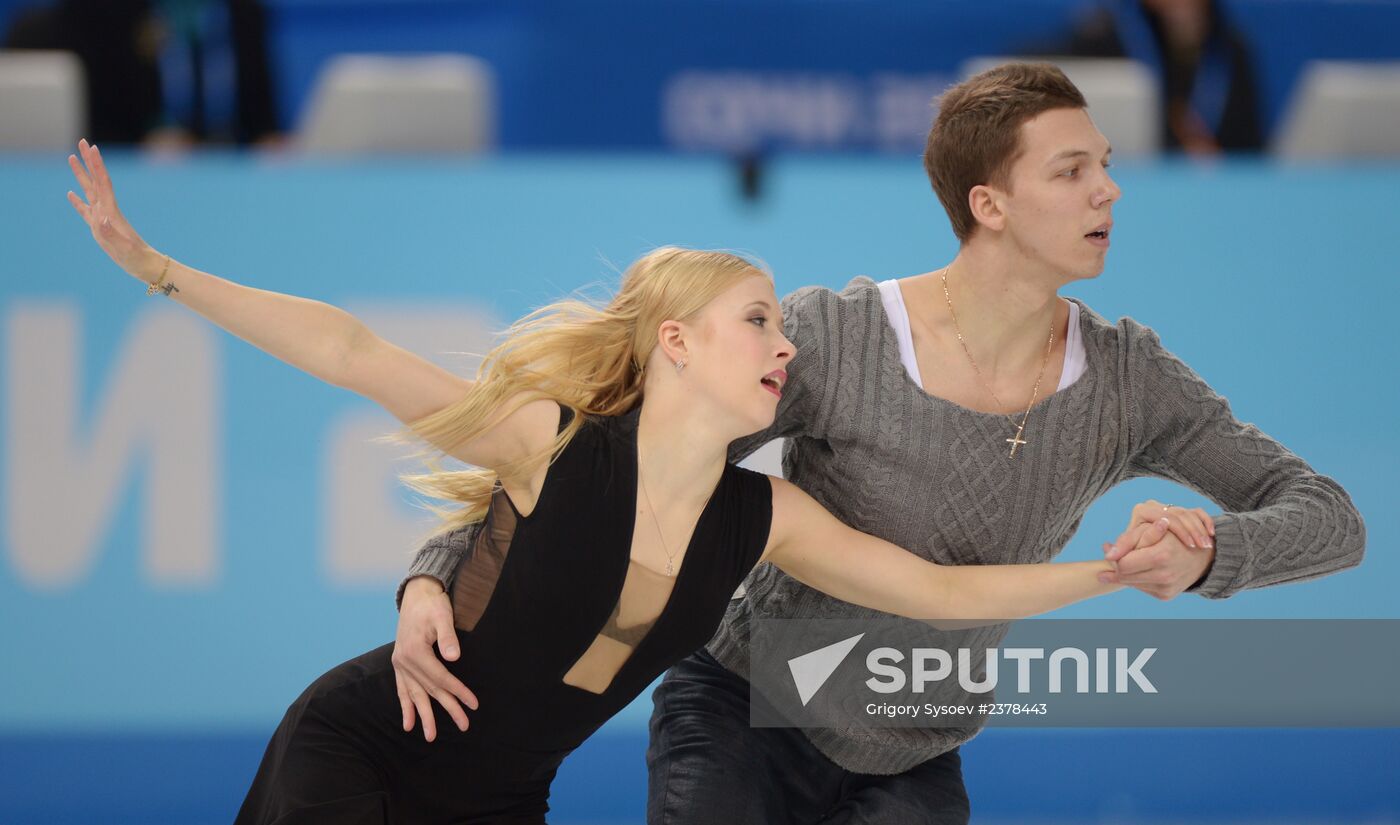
(438, 557)
(1283, 521)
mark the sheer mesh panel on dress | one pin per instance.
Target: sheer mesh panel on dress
(644, 596)
(480, 568)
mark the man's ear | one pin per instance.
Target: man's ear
(988, 205)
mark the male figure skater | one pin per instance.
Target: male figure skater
(971, 415)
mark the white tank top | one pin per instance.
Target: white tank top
(893, 299)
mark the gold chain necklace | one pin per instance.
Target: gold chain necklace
(1016, 440)
(670, 557)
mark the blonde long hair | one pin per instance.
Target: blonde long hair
(589, 358)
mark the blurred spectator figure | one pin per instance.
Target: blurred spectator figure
(1205, 67)
(217, 70)
(118, 42)
(165, 72)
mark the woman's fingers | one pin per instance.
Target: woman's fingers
(78, 204)
(99, 204)
(84, 180)
(1154, 532)
(1210, 522)
(1193, 526)
(85, 154)
(99, 175)
(96, 170)
(1192, 522)
(1184, 529)
(99, 211)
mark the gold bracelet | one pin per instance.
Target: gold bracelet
(157, 286)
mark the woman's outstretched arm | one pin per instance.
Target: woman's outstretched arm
(817, 549)
(317, 338)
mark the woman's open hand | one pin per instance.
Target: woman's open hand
(98, 207)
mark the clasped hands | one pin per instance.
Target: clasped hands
(1166, 567)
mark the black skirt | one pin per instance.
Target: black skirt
(341, 756)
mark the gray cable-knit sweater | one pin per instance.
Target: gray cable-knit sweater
(936, 478)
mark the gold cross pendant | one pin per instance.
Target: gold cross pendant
(1016, 441)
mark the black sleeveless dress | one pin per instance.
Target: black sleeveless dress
(559, 630)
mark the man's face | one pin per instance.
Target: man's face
(1059, 205)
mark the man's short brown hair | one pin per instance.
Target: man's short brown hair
(977, 134)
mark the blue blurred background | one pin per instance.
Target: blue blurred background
(192, 531)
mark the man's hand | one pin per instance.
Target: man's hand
(1165, 568)
(425, 619)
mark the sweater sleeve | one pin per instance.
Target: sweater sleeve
(1283, 522)
(810, 318)
(439, 557)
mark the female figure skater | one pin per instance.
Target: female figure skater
(615, 530)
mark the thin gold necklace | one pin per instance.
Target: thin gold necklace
(670, 557)
(1016, 440)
